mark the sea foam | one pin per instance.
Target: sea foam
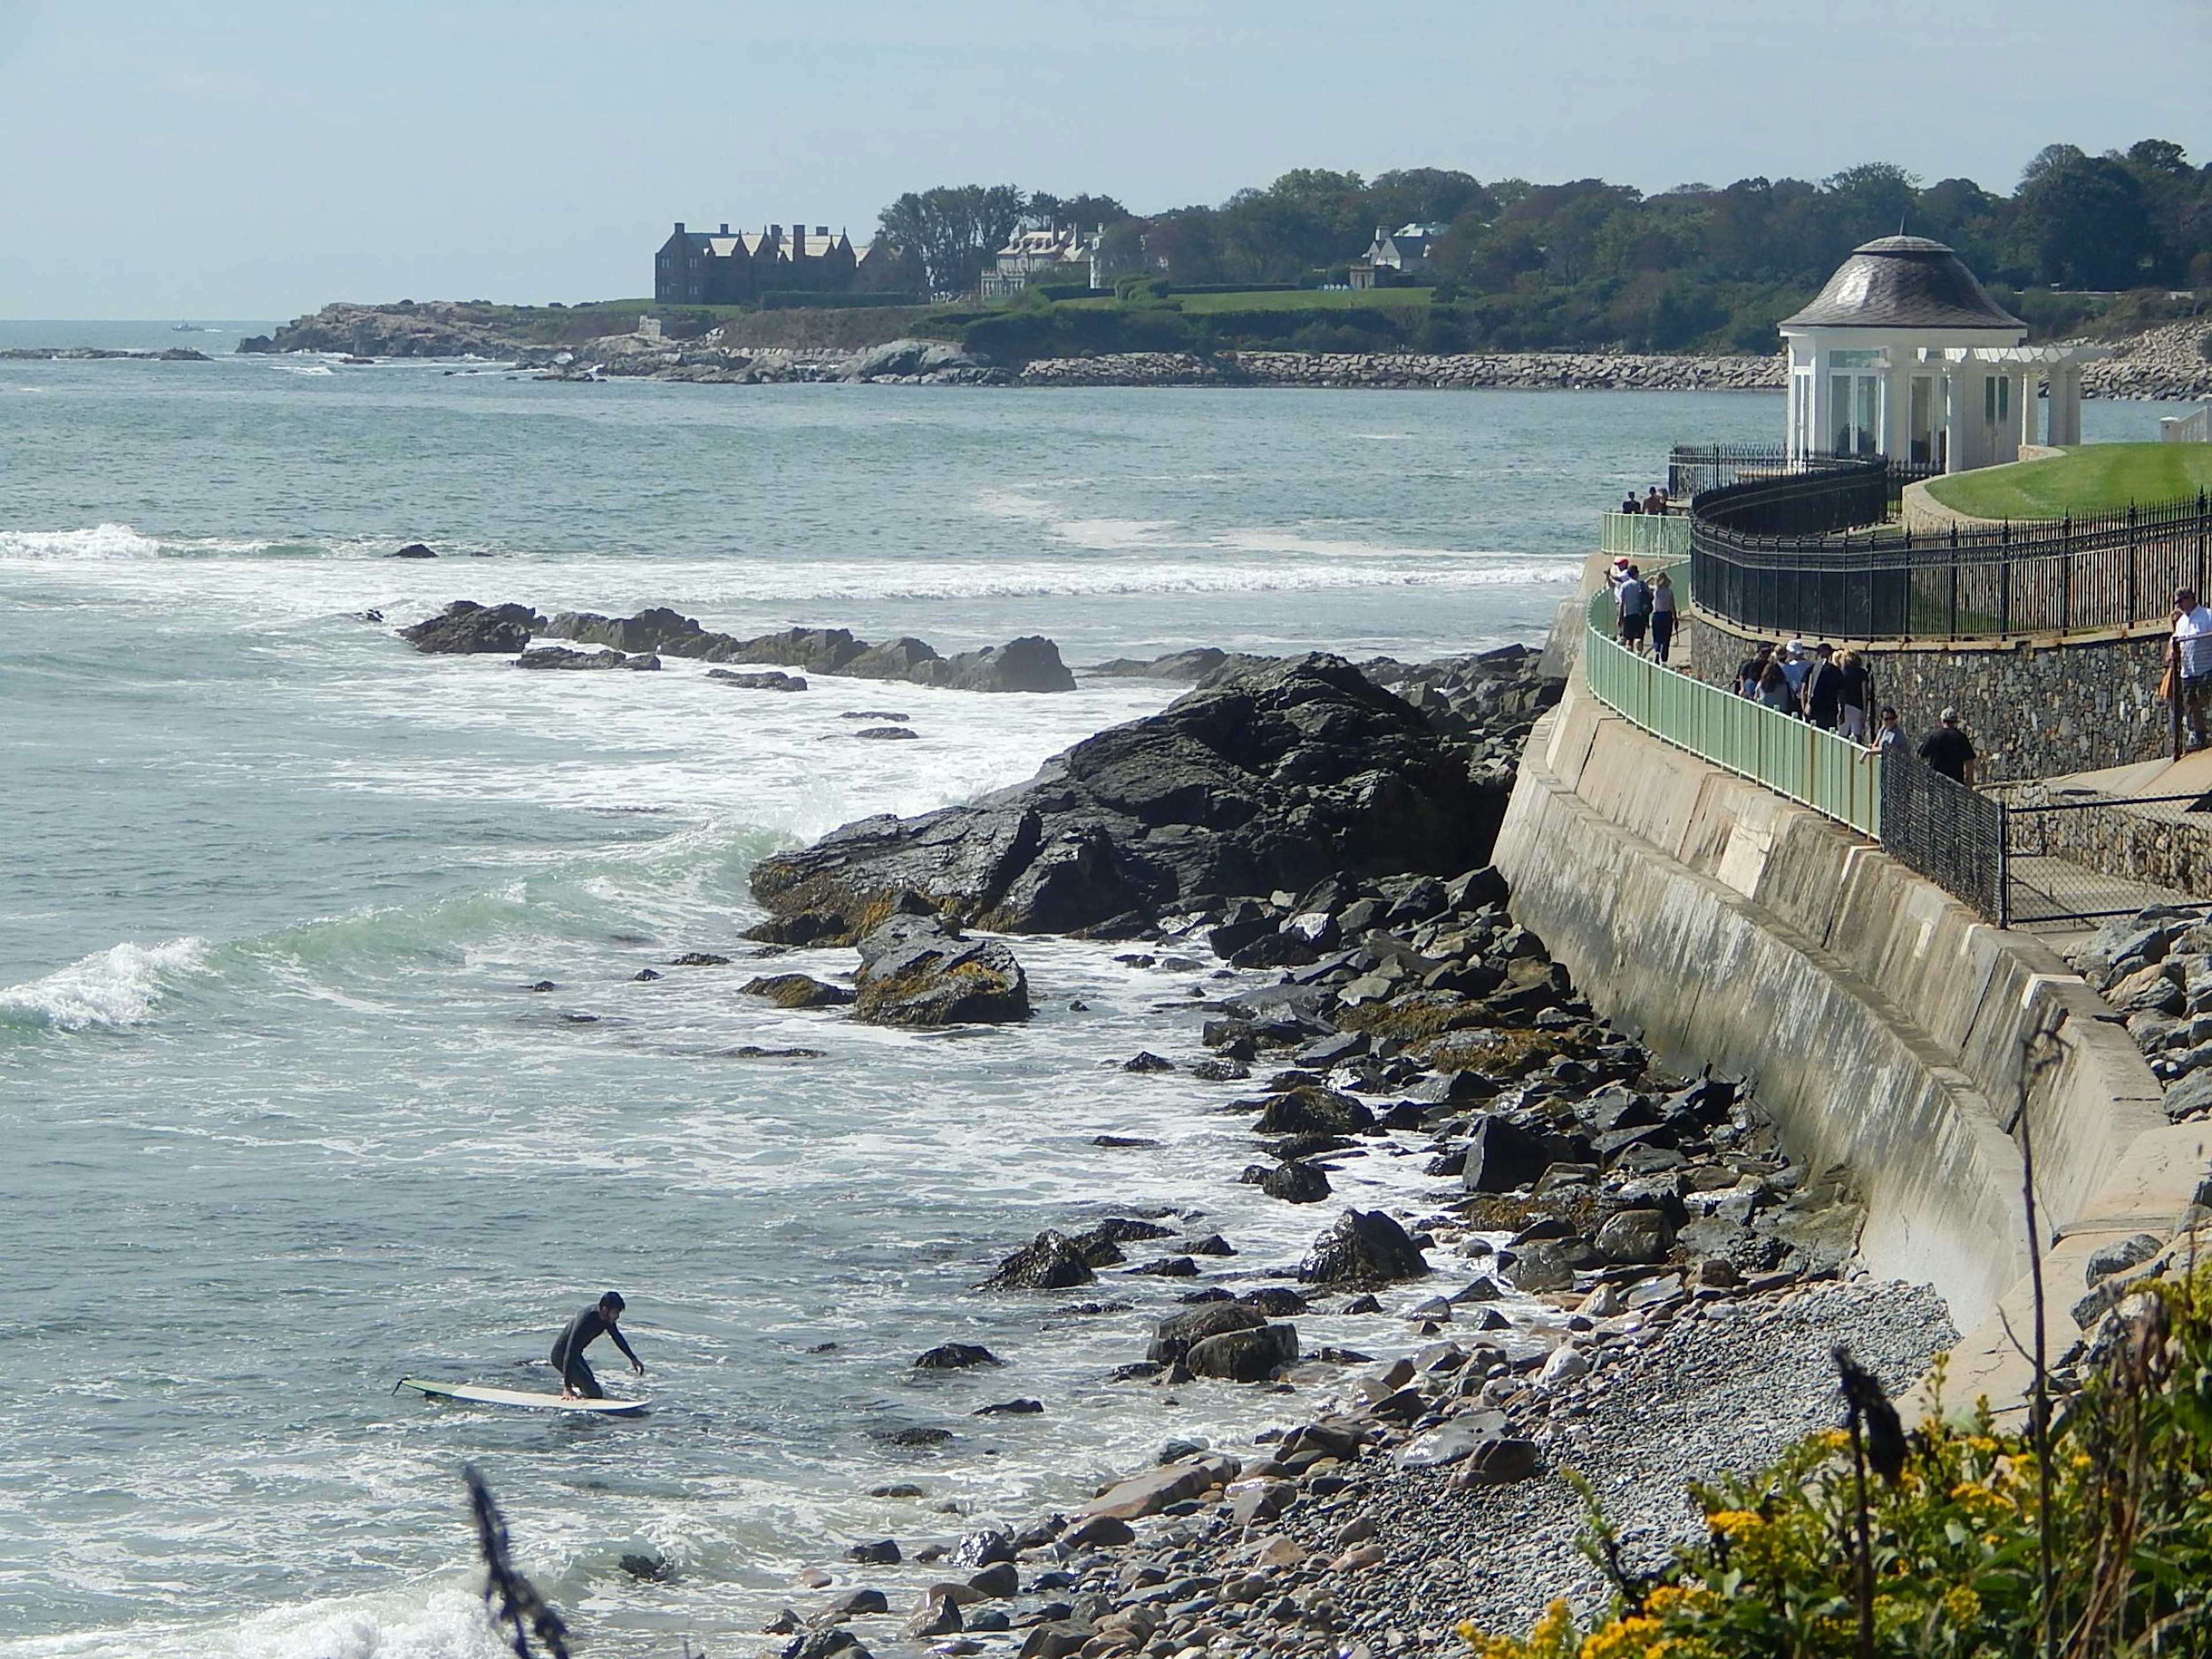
(109, 990)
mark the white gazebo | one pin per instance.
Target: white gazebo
(1903, 354)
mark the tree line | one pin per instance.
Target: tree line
(1588, 264)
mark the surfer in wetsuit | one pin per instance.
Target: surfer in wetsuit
(577, 1381)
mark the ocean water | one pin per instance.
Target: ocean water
(286, 1125)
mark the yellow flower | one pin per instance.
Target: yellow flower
(1961, 1606)
(1735, 1523)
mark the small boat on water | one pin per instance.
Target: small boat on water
(188, 328)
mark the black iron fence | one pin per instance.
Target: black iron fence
(1783, 551)
(1948, 833)
(2031, 862)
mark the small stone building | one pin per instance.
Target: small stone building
(1904, 354)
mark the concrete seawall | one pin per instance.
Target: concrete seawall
(1887, 1028)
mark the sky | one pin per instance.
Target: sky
(240, 159)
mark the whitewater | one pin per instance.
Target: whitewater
(285, 1121)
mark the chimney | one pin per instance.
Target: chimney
(725, 230)
(679, 226)
(823, 231)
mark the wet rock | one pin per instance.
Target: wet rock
(798, 990)
(984, 1549)
(1502, 1155)
(1244, 1356)
(1271, 780)
(887, 734)
(1050, 1261)
(412, 551)
(916, 970)
(1311, 1111)
(1002, 1578)
(1296, 1184)
(1153, 1491)
(956, 1356)
(652, 1569)
(772, 679)
(935, 1615)
(884, 1553)
(1175, 1336)
(1147, 1061)
(835, 1643)
(1365, 1246)
(699, 959)
(1010, 1408)
(560, 657)
(467, 627)
(1122, 1143)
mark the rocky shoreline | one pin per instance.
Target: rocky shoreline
(1618, 1272)
(2163, 362)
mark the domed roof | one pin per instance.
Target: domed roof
(1903, 282)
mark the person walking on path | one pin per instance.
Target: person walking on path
(1796, 665)
(1824, 689)
(1774, 690)
(1635, 601)
(1948, 750)
(1853, 668)
(1663, 616)
(2188, 666)
(577, 1381)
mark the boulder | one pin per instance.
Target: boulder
(772, 679)
(797, 991)
(1364, 1247)
(1246, 1356)
(1501, 1156)
(904, 359)
(1296, 1182)
(412, 551)
(464, 626)
(560, 657)
(1153, 1491)
(1636, 1237)
(955, 1356)
(1311, 1109)
(1028, 664)
(1273, 778)
(916, 970)
(1175, 1336)
(1050, 1261)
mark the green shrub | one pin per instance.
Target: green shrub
(1954, 1541)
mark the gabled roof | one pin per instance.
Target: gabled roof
(1903, 282)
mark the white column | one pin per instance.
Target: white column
(1897, 408)
(2027, 406)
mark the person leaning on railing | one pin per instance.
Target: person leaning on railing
(2188, 666)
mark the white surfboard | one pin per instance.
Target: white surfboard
(483, 1396)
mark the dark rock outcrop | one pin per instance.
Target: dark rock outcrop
(1271, 780)
(1030, 664)
(1251, 1356)
(1364, 1247)
(1177, 1335)
(464, 626)
(559, 656)
(1050, 1261)
(915, 970)
(797, 991)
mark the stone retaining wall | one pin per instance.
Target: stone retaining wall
(2161, 843)
(1884, 1024)
(2033, 708)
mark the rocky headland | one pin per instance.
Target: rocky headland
(1616, 1270)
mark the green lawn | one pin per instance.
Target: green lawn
(2087, 478)
(1199, 305)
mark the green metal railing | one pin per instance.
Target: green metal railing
(1827, 773)
(1642, 535)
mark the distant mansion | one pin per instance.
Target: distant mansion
(726, 268)
(1397, 254)
(1043, 253)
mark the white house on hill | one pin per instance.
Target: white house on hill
(1904, 354)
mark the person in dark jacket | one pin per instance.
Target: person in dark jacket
(1948, 750)
(1824, 689)
(577, 1381)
